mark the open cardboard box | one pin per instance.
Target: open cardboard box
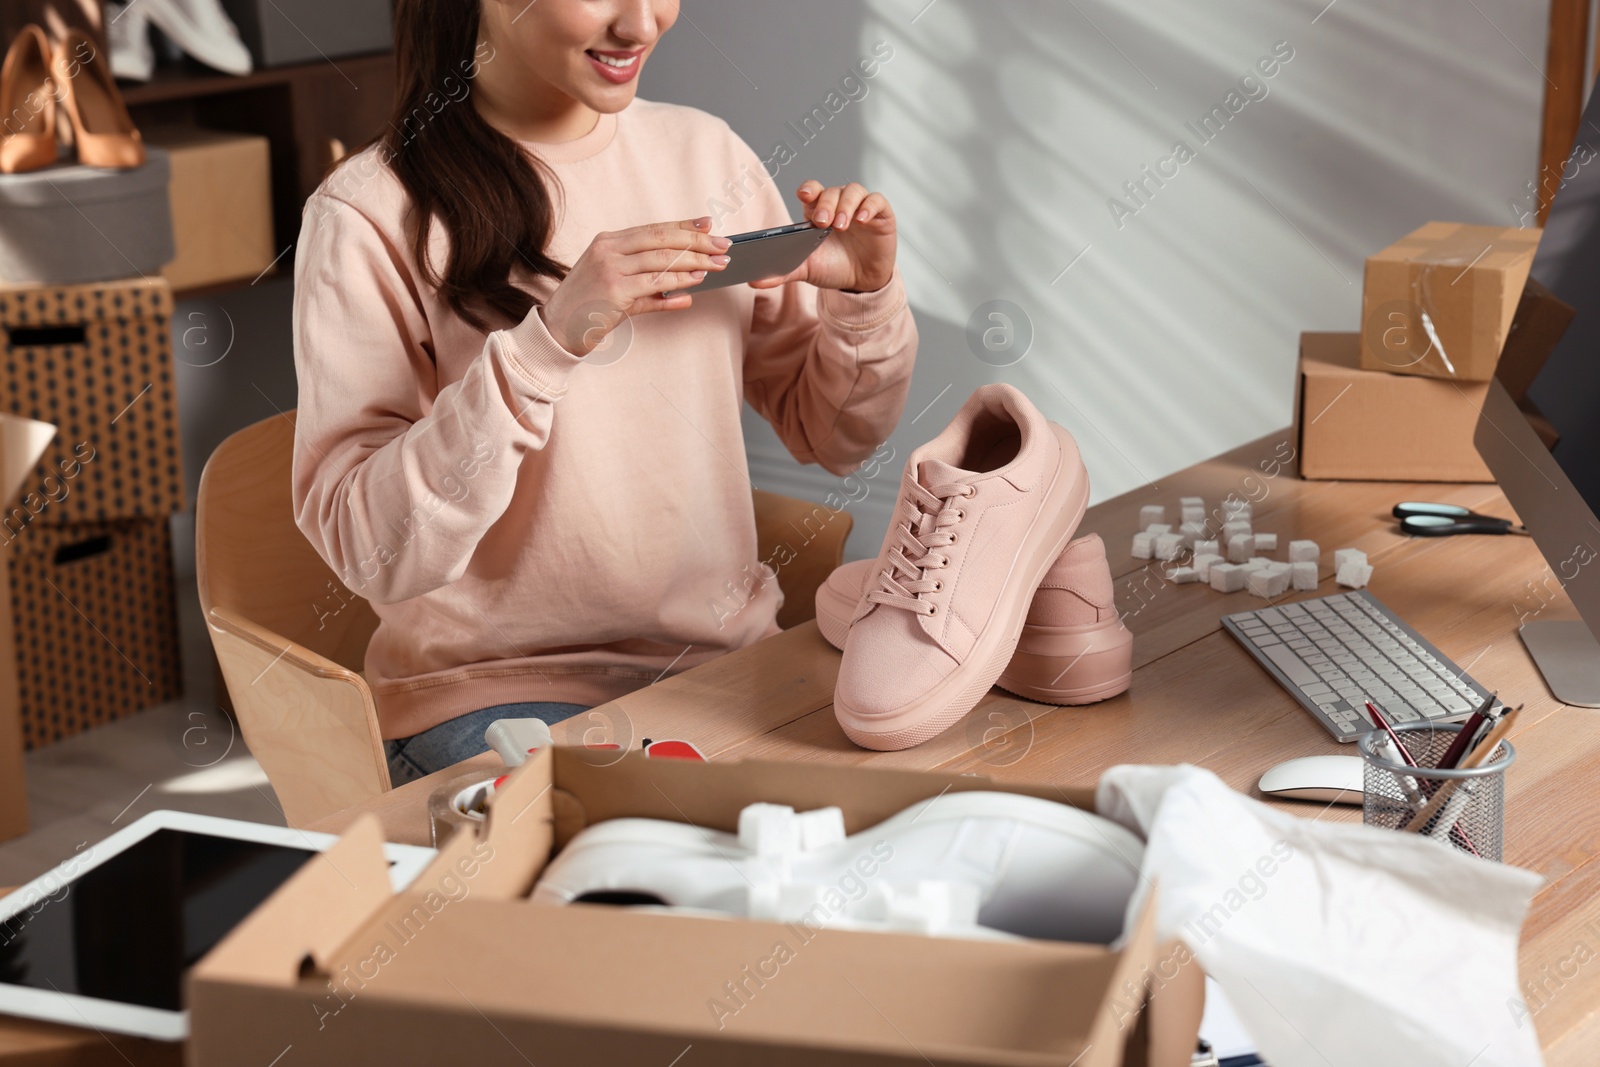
(459, 968)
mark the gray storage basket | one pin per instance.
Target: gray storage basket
(69, 223)
(282, 32)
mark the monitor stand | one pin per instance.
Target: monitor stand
(1569, 658)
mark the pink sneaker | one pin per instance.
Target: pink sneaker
(1074, 648)
(985, 508)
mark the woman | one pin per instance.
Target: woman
(518, 438)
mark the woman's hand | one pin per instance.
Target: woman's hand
(860, 254)
(630, 272)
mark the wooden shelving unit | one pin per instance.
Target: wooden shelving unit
(301, 110)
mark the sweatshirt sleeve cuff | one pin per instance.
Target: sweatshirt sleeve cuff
(538, 359)
(863, 311)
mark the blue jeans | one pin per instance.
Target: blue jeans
(461, 738)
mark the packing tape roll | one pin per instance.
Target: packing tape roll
(460, 802)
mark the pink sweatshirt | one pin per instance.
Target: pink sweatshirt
(534, 526)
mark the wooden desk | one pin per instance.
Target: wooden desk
(1198, 697)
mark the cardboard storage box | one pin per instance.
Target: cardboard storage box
(221, 196)
(281, 32)
(1439, 301)
(460, 968)
(96, 361)
(1363, 425)
(94, 620)
(22, 442)
(1541, 320)
(68, 224)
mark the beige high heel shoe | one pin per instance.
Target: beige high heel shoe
(27, 104)
(101, 127)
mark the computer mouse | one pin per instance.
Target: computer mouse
(1329, 779)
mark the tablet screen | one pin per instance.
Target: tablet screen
(128, 929)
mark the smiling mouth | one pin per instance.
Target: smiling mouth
(617, 62)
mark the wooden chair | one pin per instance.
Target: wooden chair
(291, 639)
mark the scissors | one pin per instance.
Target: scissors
(1441, 520)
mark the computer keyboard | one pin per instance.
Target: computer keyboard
(1336, 652)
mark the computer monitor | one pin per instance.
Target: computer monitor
(1556, 491)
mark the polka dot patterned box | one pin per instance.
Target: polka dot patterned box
(95, 361)
(95, 622)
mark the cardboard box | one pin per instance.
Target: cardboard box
(1541, 320)
(221, 193)
(94, 622)
(1439, 301)
(96, 361)
(461, 969)
(22, 442)
(1363, 425)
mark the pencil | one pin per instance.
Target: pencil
(1456, 833)
(1477, 756)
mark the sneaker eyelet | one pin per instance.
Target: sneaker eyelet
(937, 585)
(933, 609)
(953, 537)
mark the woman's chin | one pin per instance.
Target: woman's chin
(609, 99)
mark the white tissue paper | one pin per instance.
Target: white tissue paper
(1339, 945)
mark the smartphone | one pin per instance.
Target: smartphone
(763, 254)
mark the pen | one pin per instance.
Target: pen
(1478, 755)
(1456, 833)
(1469, 730)
(1383, 724)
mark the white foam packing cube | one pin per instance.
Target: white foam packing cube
(1194, 531)
(1303, 574)
(1256, 563)
(1208, 548)
(1151, 514)
(1183, 575)
(1191, 502)
(1304, 551)
(1192, 513)
(1348, 555)
(1266, 542)
(1227, 577)
(1241, 548)
(1144, 545)
(1170, 545)
(1234, 528)
(1156, 529)
(1267, 582)
(1353, 574)
(1204, 562)
(1237, 509)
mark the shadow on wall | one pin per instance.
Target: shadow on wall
(234, 357)
(1165, 195)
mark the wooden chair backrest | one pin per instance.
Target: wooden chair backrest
(254, 561)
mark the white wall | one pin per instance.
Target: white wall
(1000, 131)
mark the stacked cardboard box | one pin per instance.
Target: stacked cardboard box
(1399, 400)
(86, 540)
(221, 202)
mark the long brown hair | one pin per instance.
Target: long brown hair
(489, 194)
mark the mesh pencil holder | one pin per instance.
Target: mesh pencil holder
(1472, 815)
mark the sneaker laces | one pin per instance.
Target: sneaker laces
(928, 515)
